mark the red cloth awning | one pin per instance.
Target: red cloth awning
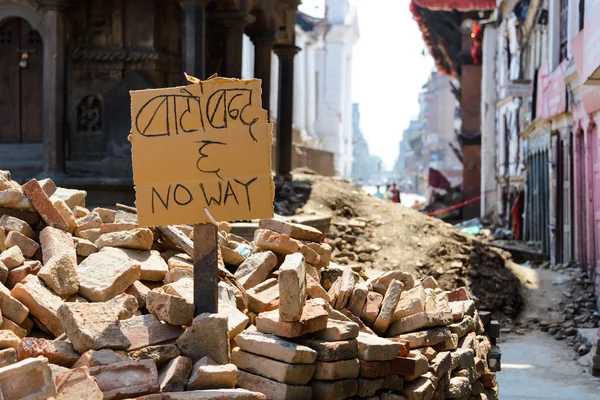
(459, 5)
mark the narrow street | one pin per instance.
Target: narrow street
(535, 366)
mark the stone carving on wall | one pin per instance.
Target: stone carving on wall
(89, 115)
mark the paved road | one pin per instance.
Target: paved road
(537, 367)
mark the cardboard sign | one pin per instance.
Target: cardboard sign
(203, 145)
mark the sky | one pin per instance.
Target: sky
(388, 71)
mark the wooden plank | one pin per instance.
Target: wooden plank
(179, 239)
(205, 269)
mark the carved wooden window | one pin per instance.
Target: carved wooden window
(6, 36)
(563, 32)
(89, 115)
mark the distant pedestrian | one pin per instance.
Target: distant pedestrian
(387, 194)
(378, 194)
(395, 194)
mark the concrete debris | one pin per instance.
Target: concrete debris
(116, 303)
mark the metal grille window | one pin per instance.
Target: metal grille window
(563, 33)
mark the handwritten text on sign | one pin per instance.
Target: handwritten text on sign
(202, 145)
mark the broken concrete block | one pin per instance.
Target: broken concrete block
(429, 337)
(84, 247)
(207, 374)
(14, 198)
(152, 266)
(369, 387)
(195, 343)
(66, 213)
(358, 299)
(174, 376)
(105, 274)
(28, 246)
(12, 308)
(314, 318)
(43, 205)
(57, 352)
(271, 388)
(255, 269)
(90, 234)
(463, 327)
(370, 310)
(264, 297)
(296, 231)
(374, 348)
(334, 390)
(419, 321)
(3, 273)
(7, 324)
(60, 275)
(41, 302)
(293, 374)
(54, 242)
(89, 221)
(176, 274)
(337, 330)
(332, 351)
(323, 250)
(126, 379)
(171, 309)
(458, 387)
(8, 339)
(8, 357)
(10, 224)
(280, 243)
(292, 288)
(16, 275)
(346, 287)
(75, 383)
(388, 306)
(276, 348)
(314, 289)
(160, 354)
(28, 379)
(382, 282)
(12, 257)
(72, 197)
(106, 215)
(411, 302)
(94, 358)
(136, 239)
(330, 371)
(79, 211)
(419, 389)
(94, 326)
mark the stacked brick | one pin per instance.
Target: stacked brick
(111, 307)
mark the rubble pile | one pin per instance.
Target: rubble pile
(93, 305)
(350, 241)
(576, 309)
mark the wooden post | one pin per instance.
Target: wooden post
(205, 269)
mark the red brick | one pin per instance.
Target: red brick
(43, 205)
(57, 352)
(314, 318)
(126, 379)
(73, 384)
(28, 379)
(28, 246)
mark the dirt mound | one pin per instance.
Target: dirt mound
(410, 241)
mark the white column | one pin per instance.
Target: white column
(274, 84)
(554, 36)
(247, 58)
(488, 114)
(311, 88)
(300, 84)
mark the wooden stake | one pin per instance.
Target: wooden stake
(205, 269)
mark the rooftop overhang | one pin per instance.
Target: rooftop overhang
(440, 22)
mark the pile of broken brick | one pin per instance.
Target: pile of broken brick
(94, 306)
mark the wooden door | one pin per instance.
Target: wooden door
(567, 202)
(596, 197)
(21, 81)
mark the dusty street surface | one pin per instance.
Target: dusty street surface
(535, 366)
